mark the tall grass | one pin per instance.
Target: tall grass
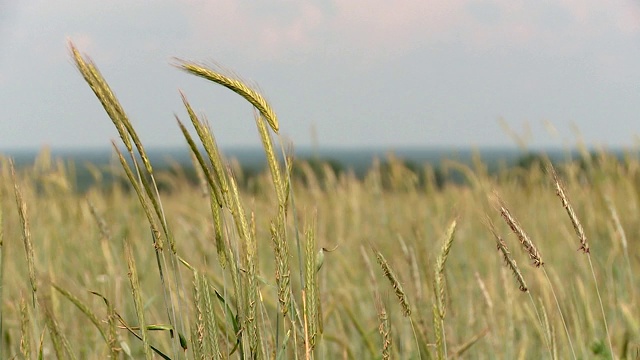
(286, 269)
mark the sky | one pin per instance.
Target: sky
(342, 73)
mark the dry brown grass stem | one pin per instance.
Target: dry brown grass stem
(395, 283)
(577, 226)
(534, 255)
(384, 328)
(524, 239)
(511, 264)
(506, 255)
(584, 245)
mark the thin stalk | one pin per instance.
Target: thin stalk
(546, 339)
(564, 323)
(584, 244)
(606, 327)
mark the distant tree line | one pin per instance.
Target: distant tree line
(393, 172)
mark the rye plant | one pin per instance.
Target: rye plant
(305, 261)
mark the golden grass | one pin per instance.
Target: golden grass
(344, 212)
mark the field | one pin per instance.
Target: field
(302, 262)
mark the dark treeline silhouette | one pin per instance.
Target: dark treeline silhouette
(393, 171)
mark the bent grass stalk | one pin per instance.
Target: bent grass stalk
(513, 266)
(534, 255)
(84, 308)
(128, 135)
(584, 246)
(266, 114)
(235, 85)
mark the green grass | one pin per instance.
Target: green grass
(316, 265)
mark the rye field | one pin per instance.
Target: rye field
(303, 262)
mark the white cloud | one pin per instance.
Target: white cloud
(282, 30)
(278, 30)
(384, 23)
(270, 30)
(630, 21)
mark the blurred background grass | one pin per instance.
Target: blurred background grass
(403, 210)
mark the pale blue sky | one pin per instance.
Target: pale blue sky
(363, 72)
